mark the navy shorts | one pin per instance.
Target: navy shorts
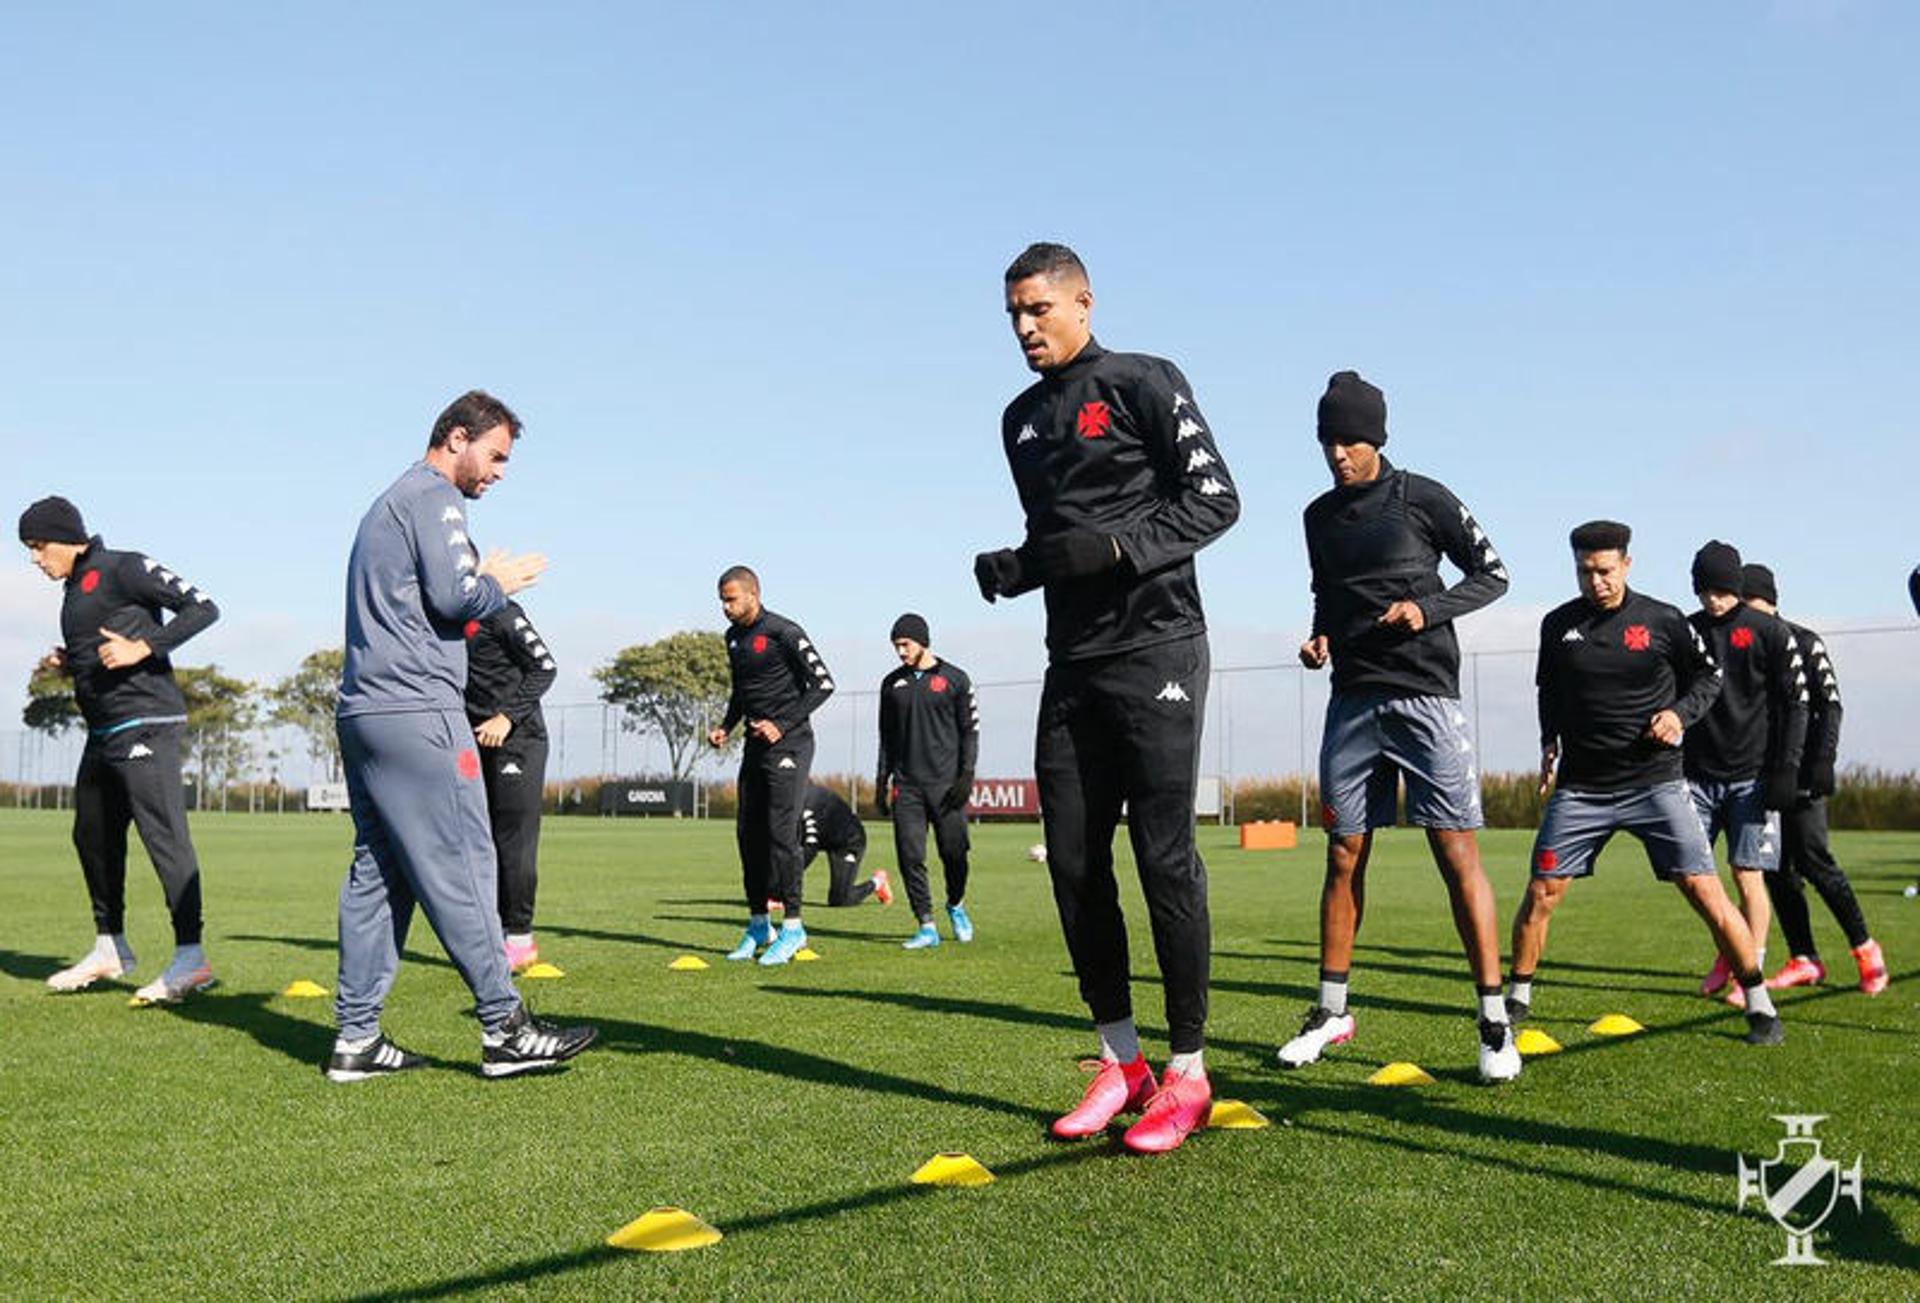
(1753, 831)
(1578, 824)
(1371, 739)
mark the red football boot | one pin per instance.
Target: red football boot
(1116, 1088)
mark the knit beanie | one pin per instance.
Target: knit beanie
(52, 520)
(1352, 411)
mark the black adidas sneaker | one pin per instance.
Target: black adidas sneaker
(525, 1043)
(381, 1059)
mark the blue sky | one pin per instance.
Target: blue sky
(739, 270)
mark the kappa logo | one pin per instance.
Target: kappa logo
(1210, 487)
(450, 515)
(139, 751)
(1189, 429)
(1637, 637)
(148, 564)
(468, 584)
(899, 683)
(1094, 420)
(1180, 400)
(509, 768)
(1201, 458)
(1027, 435)
(1573, 635)
(1172, 692)
(546, 664)
(457, 539)
(786, 762)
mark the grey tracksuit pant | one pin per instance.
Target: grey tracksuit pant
(420, 835)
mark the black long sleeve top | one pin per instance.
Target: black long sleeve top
(1758, 726)
(508, 670)
(777, 674)
(127, 593)
(929, 725)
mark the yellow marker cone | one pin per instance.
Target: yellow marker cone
(1401, 1074)
(544, 970)
(1532, 1041)
(952, 1169)
(664, 1230)
(304, 990)
(688, 964)
(805, 954)
(1234, 1115)
(1615, 1024)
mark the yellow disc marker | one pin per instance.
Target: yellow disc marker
(664, 1230)
(1532, 1041)
(304, 990)
(544, 970)
(688, 964)
(1401, 1074)
(1615, 1024)
(1235, 1115)
(805, 954)
(952, 1169)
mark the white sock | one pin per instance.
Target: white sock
(792, 925)
(1493, 1007)
(1760, 958)
(1759, 999)
(1118, 1040)
(1521, 991)
(111, 944)
(1333, 996)
(342, 1045)
(1190, 1064)
(520, 940)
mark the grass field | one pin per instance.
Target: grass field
(198, 1150)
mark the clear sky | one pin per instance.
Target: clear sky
(738, 268)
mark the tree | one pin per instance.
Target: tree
(51, 708)
(676, 688)
(305, 700)
(222, 713)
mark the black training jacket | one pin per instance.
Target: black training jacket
(1822, 751)
(508, 670)
(777, 673)
(1371, 545)
(1603, 675)
(1112, 442)
(126, 592)
(1758, 727)
(828, 823)
(929, 726)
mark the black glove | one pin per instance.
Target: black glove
(1782, 790)
(881, 795)
(1823, 780)
(999, 574)
(1074, 554)
(958, 795)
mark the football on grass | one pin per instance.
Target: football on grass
(1037, 852)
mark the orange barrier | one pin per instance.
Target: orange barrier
(1269, 835)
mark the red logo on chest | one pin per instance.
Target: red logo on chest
(1094, 420)
(759, 643)
(470, 628)
(1637, 637)
(89, 581)
(469, 762)
(938, 683)
(1741, 638)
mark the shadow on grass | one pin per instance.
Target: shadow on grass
(629, 938)
(1453, 958)
(559, 1264)
(838, 934)
(31, 968)
(253, 1013)
(331, 946)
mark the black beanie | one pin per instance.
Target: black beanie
(1717, 567)
(911, 626)
(1352, 411)
(1757, 581)
(52, 520)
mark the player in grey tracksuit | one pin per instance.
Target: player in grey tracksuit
(413, 776)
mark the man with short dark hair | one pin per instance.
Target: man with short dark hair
(508, 670)
(929, 743)
(420, 826)
(829, 827)
(115, 648)
(1384, 617)
(1804, 851)
(1621, 677)
(1122, 484)
(1742, 759)
(779, 680)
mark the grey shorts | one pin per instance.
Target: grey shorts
(1371, 739)
(1578, 824)
(1753, 831)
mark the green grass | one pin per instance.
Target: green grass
(199, 1151)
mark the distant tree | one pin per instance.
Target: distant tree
(222, 713)
(675, 688)
(305, 700)
(50, 708)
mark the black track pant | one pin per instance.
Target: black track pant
(1126, 729)
(1804, 854)
(772, 792)
(844, 861)
(133, 776)
(516, 776)
(914, 808)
